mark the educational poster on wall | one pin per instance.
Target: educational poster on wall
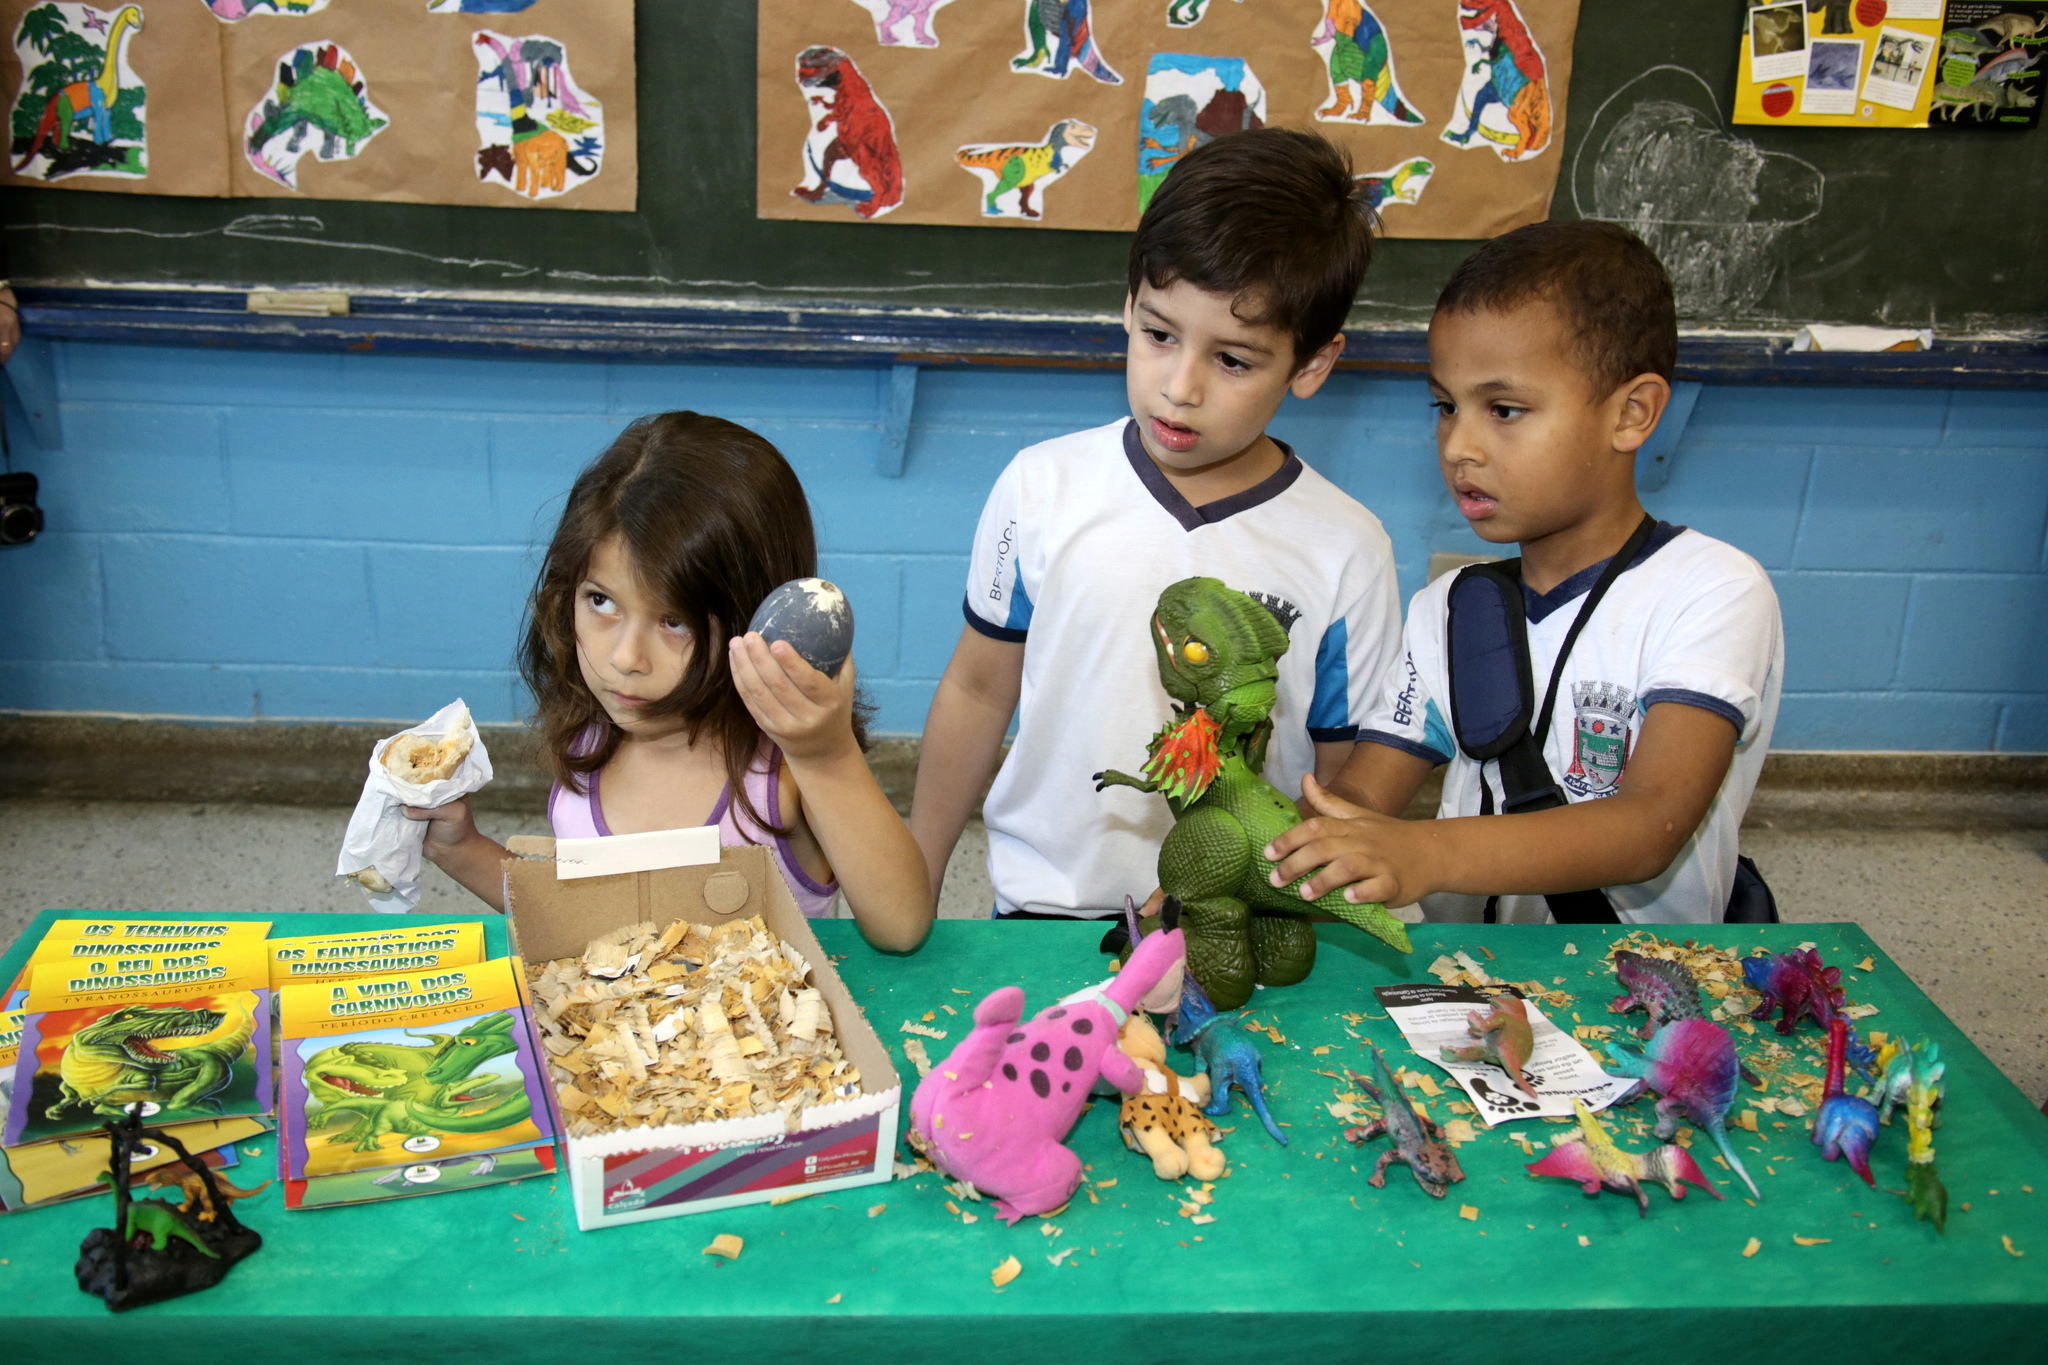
(1839, 63)
(1991, 72)
(1070, 113)
(494, 103)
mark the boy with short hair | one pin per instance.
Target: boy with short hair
(1242, 272)
(1551, 354)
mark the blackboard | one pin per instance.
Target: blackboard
(1940, 228)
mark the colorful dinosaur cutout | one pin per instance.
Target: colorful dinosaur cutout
(96, 101)
(1596, 1163)
(1417, 1140)
(1218, 654)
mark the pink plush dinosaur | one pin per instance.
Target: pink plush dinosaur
(995, 1112)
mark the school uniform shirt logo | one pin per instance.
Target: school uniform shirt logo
(1605, 718)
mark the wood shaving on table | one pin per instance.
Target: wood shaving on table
(2010, 1249)
(1203, 1219)
(923, 1030)
(1811, 1241)
(1469, 1213)
(1009, 1270)
(876, 1210)
(1751, 1248)
(1867, 965)
(1459, 1131)
(726, 1245)
(1571, 950)
(690, 1024)
(919, 1058)
(1059, 1257)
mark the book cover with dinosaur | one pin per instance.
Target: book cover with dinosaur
(179, 1036)
(78, 940)
(373, 952)
(418, 1069)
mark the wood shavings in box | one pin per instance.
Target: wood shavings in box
(694, 1023)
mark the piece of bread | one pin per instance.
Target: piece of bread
(420, 759)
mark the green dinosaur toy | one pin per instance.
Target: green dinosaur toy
(169, 1055)
(160, 1222)
(1219, 653)
(392, 1088)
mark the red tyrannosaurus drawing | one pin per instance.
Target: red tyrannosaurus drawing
(850, 151)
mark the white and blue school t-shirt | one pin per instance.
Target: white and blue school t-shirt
(1692, 621)
(1078, 539)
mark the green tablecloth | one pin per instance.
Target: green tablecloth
(1304, 1260)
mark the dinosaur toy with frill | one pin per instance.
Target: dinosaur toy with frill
(1219, 652)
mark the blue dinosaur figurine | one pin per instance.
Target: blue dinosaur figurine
(1222, 1050)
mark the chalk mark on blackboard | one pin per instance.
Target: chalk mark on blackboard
(1711, 205)
(295, 228)
(286, 227)
(588, 277)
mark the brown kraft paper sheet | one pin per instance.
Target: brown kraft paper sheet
(418, 72)
(1068, 149)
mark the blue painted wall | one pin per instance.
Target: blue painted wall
(351, 536)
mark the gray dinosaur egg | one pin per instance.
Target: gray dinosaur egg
(814, 617)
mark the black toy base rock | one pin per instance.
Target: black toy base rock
(153, 1276)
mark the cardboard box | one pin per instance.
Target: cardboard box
(638, 1174)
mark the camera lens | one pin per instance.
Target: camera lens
(19, 522)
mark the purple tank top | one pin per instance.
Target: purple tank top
(574, 815)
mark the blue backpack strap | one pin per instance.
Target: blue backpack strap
(1493, 711)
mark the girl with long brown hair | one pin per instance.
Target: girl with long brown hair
(653, 712)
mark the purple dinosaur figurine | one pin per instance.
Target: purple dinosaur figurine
(1417, 1140)
(1800, 984)
(1691, 1064)
(1797, 983)
(1663, 990)
(1846, 1124)
(996, 1111)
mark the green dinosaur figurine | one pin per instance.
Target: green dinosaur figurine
(1219, 652)
(390, 1088)
(160, 1222)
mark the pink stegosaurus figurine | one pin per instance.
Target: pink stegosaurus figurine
(996, 1111)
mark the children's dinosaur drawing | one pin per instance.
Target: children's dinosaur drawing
(904, 23)
(538, 132)
(1360, 61)
(319, 94)
(1017, 169)
(1400, 184)
(850, 154)
(477, 6)
(1186, 13)
(1504, 99)
(1190, 100)
(81, 107)
(232, 11)
(1060, 38)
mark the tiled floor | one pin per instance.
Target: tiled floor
(1966, 916)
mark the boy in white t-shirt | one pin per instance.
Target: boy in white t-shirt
(1551, 354)
(1242, 270)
